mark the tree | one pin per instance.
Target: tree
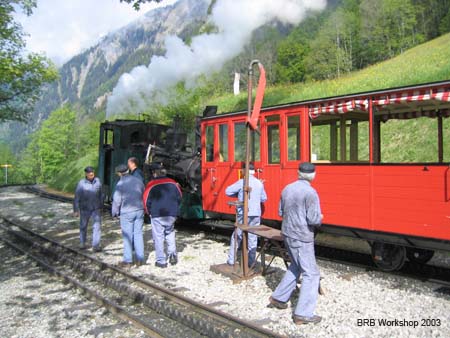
(21, 76)
(332, 50)
(57, 140)
(388, 29)
(137, 3)
(444, 26)
(290, 66)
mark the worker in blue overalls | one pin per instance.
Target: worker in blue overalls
(88, 202)
(127, 205)
(300, 209)
(257, 195)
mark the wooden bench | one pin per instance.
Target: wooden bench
(272, 241)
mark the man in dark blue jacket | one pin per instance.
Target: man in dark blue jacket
(88, 202)
(162, 199)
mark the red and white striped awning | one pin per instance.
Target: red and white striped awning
(337, 107)
(345, 106)
(414, 96)
(441, 95)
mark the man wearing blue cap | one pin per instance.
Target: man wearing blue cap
(300, 209)
(257, 195)
(87, 203)
(127, 204)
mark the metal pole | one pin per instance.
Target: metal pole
(245, 268)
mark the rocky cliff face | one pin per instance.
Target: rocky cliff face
(87, 78)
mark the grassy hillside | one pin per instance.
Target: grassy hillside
(425, 63)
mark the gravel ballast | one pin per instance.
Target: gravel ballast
(356, 303)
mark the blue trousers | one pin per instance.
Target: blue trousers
(303, 261)
(163, 230)
(252, 241)
(85, 216)
(131, 224)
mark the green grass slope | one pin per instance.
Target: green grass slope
(427, 62)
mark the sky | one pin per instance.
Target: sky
(63, 28)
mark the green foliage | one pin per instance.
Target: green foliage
(21, 76)
(425, 63)
(57, 153)
(72, 171)
(184, 102)
(290, 66)
(61, 140)
(356, 34)
(444, 26)
(56, 141)
(7, 157)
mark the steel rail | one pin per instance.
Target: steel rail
(217, 316)
(111, 306)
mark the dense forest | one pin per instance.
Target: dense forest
(349, 35)
(321, 52)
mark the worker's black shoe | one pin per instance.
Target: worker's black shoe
(173, 259)
(97, 248)
(139, 263)
(82, 246)
(161, 265)
(277, 304)
(306, 320)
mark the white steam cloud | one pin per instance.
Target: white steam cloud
(235, 20)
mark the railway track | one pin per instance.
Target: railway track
(158, 311)
(424, 272)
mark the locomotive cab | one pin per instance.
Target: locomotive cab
(120, 140)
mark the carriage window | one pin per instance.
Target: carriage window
(273, 140)
(293, 138)
(240, 140)
(410, 140)
(340, 138)
(223, 143)
(209, 143)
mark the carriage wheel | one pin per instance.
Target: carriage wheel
(388, 257)
(420, 256)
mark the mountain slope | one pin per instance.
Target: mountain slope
(87, 78)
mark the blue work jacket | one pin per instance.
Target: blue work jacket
(127, 196)
(300, 208)
(257, 195)
(88, 195)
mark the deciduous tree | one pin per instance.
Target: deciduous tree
(21, 75)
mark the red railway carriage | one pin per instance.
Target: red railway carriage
(374, 182)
